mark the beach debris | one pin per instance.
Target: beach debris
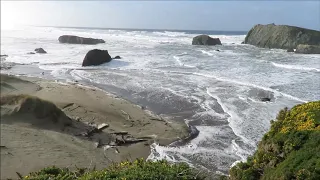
(99, 143)
(120, 133)
(125, 113)
(93, 129)
(19, 175)
(102, 126)
(68, 105)
(158, 119)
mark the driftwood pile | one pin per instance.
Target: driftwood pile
(121, 138)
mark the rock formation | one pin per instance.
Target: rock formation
(205, 40)
(307, 49)
(96, 57)
(281, 36)
(40, 51)
(70, 39)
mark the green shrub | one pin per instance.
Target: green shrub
(137, 170)
(290, 150)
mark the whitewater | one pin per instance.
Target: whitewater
(218, 92)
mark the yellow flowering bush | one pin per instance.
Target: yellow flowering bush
(290, 150)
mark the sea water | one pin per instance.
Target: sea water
(218, 92)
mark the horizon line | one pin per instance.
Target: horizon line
(139, 28)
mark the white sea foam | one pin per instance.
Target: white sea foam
(277, 93)
(295, 67)
(206, 52)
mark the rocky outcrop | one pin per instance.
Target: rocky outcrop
(281, 36)
(205, 40)
(96, 57)
(290, 50)
(40, 51)
(70, 39)
(307, 49)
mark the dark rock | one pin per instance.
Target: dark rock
(117, 57)
(79, 40)
(31, 53)
(217, 50)
(205, 40)
(265, 99)
(96, 57)
(281, 36)
(193, 133)
(242, 42)
(290, 50)
(4, 55)
(40, 51)
(307, 49)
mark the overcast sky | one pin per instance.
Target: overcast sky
(186, 15)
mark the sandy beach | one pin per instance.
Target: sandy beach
(44, 123)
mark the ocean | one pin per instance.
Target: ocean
(218, 92)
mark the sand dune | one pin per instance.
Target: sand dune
(45, 123)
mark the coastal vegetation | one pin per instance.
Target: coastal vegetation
(138, 169)
(290, 150)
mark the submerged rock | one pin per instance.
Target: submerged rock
(70, 39)
(265, 99)
(281, 36)
(96, 57)
(40, 51)
(117, 57)
(307, 49)
(31, 53)
(4, 55)
(205, 40)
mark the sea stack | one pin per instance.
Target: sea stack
(281, 36)
(70, 39)
(96, 57)
(205, 40)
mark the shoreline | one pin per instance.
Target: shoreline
(90, 105)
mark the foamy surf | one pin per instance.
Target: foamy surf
(295, 67)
